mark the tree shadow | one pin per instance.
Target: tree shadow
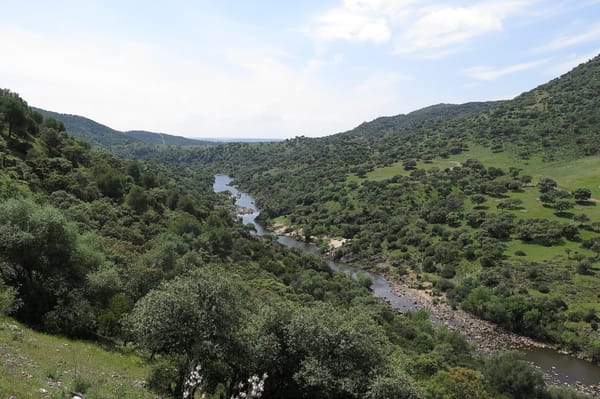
(566, 215)
(586, 203)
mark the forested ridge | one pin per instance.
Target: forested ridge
(144, 254)
(491, 206)
(109, 139)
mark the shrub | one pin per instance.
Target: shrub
(165, 373)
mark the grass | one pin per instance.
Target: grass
(569, 174)
(38, 365)
(560, 266)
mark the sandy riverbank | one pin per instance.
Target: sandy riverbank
(281, 229)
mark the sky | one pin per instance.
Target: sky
(278, 69)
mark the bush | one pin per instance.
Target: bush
(81, 385)
(364, 280)
(509, 374)
(8, 299)
(444, 284)
(165, 374)
(584, 267)
(73, 317)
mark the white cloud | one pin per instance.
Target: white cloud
(360, 20)
(490, 73)
(345, 24)
(318, 63)
(427, 28)
(249, 92)
(561, 42)
(442, 30)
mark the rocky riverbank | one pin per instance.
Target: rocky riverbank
(486, 337)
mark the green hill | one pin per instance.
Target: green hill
(493, 204)
(143, 257)
(104, 137)
(438, 112)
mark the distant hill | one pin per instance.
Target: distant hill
(102, 136)
(239, 140)
(162, 138)
(438, 112)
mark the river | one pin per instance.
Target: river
(559, 368)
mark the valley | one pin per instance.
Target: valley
(478, 221)
(403, 296)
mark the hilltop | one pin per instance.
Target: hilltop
(104, 137)
(438, 112)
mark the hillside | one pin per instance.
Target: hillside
(438, 112)
(143, 253)
(36, 365)
(494, 211)
(104, 137)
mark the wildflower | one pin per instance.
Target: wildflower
(192, 382)
(256, 386)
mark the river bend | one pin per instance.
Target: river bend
(560, 369)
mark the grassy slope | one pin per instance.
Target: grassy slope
(577, 290)
(31, 362)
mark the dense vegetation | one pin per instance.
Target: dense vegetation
(99, 248)
(495, 204)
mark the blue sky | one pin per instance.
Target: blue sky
(282, 69)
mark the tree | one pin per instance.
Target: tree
(137, 199)
(593, 244)
(457, 382)
(54, 124)
(562, 206)
(109, 180)
(409, 164)
(570, 232)
(14, 110)
(509, 374)
(499, 226)
(584, 267)
(582, 194)
(546, 184)
(394, 383)
(198, 315)
(510, 203)
(8, 299)
(581, 218)
(478, 199)
(337, 351)
(40, 252)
